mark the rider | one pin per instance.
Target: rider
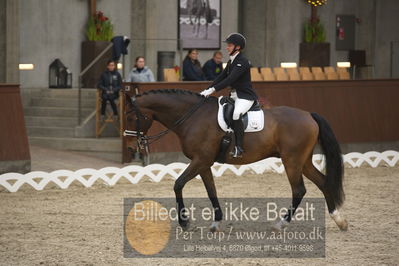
(236, 75)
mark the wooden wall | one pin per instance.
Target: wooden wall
(14, 144)
(357, 110)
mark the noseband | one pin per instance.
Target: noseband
(143, 139)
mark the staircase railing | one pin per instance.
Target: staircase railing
(80, 80)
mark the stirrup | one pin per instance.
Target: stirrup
(237, 152)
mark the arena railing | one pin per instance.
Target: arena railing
(80, 79)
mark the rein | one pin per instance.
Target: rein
(143, 139)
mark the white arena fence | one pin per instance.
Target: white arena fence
(156, 172)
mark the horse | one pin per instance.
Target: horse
(289, 133)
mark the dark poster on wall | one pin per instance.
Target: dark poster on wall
(345, 32)
(199, 24)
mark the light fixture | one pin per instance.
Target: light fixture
(343, 64)
(288, 64)
(26, 66)
(316, 3)
(119, 66)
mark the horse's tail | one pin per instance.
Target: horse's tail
(334, 163)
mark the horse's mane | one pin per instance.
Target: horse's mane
(170, 91)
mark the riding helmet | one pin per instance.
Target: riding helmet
(236, 39)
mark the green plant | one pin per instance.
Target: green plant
(314, 32)
(99, 28)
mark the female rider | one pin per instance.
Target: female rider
(237, 75)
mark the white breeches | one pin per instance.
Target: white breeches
(241, 106)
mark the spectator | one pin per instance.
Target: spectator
(213, 67)
(140, 72)
(191, 67)
(110, 84)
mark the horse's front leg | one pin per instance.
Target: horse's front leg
(209, 183)
(191, 171)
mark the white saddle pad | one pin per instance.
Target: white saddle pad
(256, 120)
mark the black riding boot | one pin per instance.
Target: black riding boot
(238, 128)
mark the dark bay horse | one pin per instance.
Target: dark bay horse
(289, 133)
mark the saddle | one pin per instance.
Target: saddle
(253, 121)
(228, 110)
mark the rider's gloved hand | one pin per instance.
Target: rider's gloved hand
(207, 92)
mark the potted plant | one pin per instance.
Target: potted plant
(314, 51)
(99, 32)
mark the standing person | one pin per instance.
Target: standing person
(192, 70)
(140, 72)
(110, 84)
(214, 66)
(237, 75)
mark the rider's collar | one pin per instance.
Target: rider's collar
(232, 57)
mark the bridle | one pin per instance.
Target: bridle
(146, 140)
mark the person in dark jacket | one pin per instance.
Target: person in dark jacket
(237, 75)
(110, 83)
(192, 70)
(213, 67)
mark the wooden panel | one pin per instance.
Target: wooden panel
(14, 144)
(357, 110)
(90, 50)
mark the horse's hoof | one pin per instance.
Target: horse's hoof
(185, 225)
(214, 227)
(280, 225)
(343, 226)
(339, 220)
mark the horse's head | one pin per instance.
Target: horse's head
(138, 121)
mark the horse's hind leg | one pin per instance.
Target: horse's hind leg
(209, 183)
(314, 175)
(294, 173)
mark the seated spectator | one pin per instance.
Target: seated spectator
(192, 70)
(110, 84)
(140, 72)
(213, 67)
